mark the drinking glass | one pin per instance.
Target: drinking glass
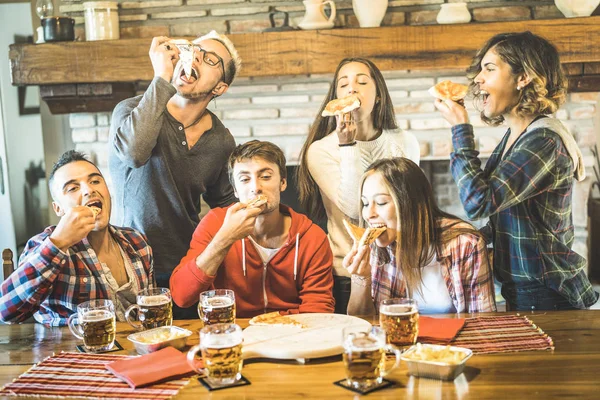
(217, 307)
(95, 324)
(399, 318)
(154, 309)
(364, 356)
(221, 349)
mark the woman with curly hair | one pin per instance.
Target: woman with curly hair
(526, 186)
(337, 152)
(425, 253)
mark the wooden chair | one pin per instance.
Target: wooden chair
(8, 266)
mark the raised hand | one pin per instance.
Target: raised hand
(239, 222)
(357, 261)
(73, 226)
(346, 128)
(452, 111)
(164, 56)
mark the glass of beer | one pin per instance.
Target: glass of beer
(365, 356)
(217, 307)
(400, 320)
(154, 309)
(94, 323)
(221, 348)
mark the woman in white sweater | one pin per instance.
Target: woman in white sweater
(336, 153)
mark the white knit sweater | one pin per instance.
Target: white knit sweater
(337, 171)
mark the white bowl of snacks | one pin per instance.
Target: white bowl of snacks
(436, 361)
(155, 339)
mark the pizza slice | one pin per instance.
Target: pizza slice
(275, 319)
(448, 90)
(364, 236)
(341, 106)
(186, 55)
(95, 210)
(257, 201)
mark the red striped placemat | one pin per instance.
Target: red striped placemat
(84, 375)
(502, 334)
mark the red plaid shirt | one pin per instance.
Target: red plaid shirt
(465, 268)
(49, 284)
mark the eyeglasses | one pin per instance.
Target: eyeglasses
(211, 58)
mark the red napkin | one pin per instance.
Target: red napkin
(439, 329)
(155, 367)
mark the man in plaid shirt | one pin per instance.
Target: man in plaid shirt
(82, 258)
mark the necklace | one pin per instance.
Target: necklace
(197, 120)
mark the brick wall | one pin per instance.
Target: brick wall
(280, 109)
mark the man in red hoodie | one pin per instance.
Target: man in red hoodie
(273, 258)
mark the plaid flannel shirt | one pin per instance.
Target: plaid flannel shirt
(465, 269)
(49, 284)
(527, 196)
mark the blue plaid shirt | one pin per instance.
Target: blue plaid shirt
(49, 284)
(527, 196)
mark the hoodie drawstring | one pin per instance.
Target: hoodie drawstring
(244, 255)
(296, 256)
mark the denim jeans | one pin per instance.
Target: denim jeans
(533, 296)
(341, 293)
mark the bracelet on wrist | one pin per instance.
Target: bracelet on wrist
(347, 144)
(362, 281)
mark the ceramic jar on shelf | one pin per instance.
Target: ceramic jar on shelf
(454, 13)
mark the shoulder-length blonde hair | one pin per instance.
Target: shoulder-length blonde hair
(383, 118)
(533, 55)
(420, 233)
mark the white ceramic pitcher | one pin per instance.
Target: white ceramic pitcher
(315, 17)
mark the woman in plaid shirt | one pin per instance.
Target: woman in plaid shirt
(425, 253)
(526, 186)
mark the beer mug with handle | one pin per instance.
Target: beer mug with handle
(217, 307)
(221, 349)
(364, 356)
(154, 309)
(400, 320)
(95, 324)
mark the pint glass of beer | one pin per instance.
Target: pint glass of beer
(154, 309)
(221, 348)
(217, 307)
(364, 356)
(400, 320)
(94, 323)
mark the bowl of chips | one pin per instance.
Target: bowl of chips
(155, 339)
(436, 361)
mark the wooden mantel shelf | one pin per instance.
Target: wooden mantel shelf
(303, 52)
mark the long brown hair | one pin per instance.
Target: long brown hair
(383, 118)
(529, 54)
(420, 232)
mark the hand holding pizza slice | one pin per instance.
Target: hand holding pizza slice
(364, 236)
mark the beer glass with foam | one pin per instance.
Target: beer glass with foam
(364, 356)
(400, 320)
(221, 349)
(154, 309)
(95, 324)
(217, 307)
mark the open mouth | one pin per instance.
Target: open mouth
(193, 76)
(96, 206)
(484, 96)
(378, 225)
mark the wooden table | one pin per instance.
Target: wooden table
(571, 370)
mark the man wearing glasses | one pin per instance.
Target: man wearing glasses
(167, 149)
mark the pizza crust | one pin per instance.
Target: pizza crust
(275, 319)
(257, 201)
(364, 236)
(341, 106)
(448, 90)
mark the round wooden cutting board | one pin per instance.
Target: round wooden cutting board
(321, 338)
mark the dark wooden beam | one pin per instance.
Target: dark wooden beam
(584, 83)
(74, 98)
(303, 52)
